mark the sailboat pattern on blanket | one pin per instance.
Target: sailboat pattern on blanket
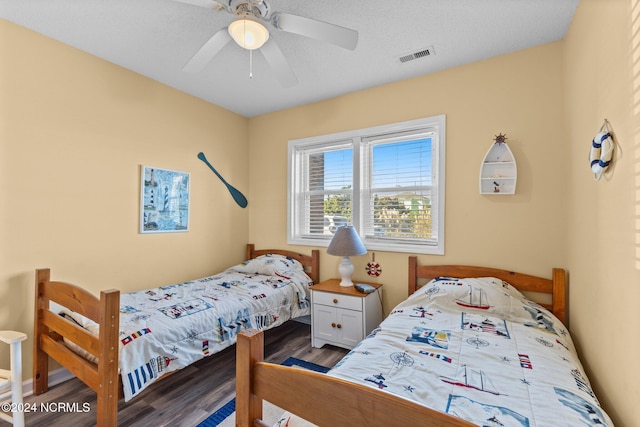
(479, 350)
(168, 328)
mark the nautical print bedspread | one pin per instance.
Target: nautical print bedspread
(168, 328)
(479, 350)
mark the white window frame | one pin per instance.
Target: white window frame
(435, 126)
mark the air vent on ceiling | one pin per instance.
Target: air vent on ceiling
(423, 53)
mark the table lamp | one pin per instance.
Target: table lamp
(346, 243)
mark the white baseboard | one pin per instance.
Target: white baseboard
(55, 377)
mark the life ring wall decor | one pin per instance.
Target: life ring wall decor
(601, 152)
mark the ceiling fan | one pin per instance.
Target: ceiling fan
(249, 33)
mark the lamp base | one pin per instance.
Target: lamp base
(346, 271)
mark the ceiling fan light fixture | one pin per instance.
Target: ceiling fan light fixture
(248, 34)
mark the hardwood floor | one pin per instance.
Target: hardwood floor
(187, 397)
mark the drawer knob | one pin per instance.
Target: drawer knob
(335, 300)
(339, 326)
(333, 325)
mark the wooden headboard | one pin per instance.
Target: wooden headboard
(556, 287)
(310, 262)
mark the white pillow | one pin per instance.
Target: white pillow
(268, 265)
(494, 295)
(85, 323)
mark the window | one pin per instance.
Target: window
(388, 181)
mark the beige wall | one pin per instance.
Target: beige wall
(74, 131)
(518, 94)
(601, 81)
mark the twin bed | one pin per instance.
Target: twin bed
(120, 344)
(466, 348)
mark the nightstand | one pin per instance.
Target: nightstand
(343, 316)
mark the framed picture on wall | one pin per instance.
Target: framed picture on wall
(164, 200)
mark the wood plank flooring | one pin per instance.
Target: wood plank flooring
(187, 397)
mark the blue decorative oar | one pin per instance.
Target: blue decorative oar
(237, 195)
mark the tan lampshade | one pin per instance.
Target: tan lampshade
(248, 34)
(346, 242)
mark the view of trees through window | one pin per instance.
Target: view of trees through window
(404, 215)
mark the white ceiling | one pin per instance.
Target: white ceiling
(156, 38)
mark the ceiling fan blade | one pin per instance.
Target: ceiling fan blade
(278, 63)
(206, 53)
(209, 4)
(318, 30)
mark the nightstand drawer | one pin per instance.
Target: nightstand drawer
(340, 301)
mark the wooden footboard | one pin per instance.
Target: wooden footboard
(316, 397)
(50, 329)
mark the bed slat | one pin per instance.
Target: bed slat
(74, 298)
(84, 370)
(72, 332)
